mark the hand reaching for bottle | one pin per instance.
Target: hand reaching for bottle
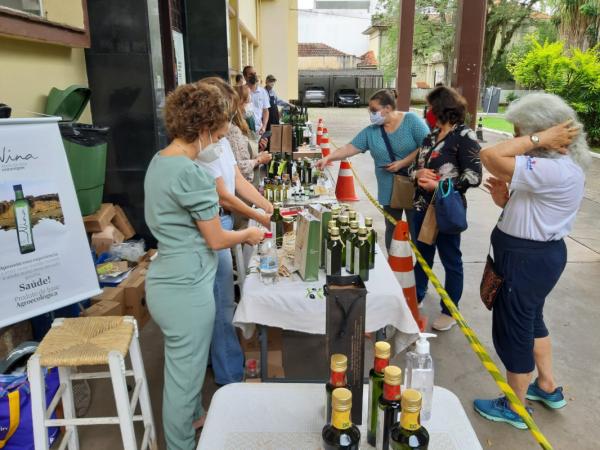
(254, 235)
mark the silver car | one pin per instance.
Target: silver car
(315, 95)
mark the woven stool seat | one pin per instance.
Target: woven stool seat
(85, 341)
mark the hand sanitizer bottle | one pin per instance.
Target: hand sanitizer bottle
(419, 373)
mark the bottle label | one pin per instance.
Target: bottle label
(357, 261)
(349, 255)
(23, 225)
(341, 419)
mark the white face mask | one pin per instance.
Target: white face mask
(376, 118)
(211, 152)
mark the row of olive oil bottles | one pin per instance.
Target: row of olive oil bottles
(393, 421)
(348, 246)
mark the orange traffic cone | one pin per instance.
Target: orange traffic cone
(401, 261)
(325, 149)
(319, 131)
(344, 188)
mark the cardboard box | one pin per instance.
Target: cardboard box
(121, 222)
(345, 331)
(276, 136)
(101, 242)
(145, 260)
(112, 294)
(274, 364)
(97, 222)
(308, 246)
(274, 341)
(286, 139)
(13, 335)
(104, 308)
(135, 297)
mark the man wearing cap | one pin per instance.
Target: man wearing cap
(274, 101)
(259, 99)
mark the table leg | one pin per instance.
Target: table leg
(263, 335)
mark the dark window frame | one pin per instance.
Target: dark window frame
(20, 25)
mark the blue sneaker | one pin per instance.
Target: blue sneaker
(497, 410)
(553, 400)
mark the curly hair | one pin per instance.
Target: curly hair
(447, 105)
(194, 107)
(536, 112)
(227, 91)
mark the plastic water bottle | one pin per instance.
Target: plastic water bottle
(419, 373)
(268, 265)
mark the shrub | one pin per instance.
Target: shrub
(511, 97)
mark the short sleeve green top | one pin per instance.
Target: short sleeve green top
(177, 193)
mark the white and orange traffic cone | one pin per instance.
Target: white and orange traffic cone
(344, 188)
(325, 149)
(401, 261)
(319, 131)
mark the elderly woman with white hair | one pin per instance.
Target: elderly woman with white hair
(538, 180)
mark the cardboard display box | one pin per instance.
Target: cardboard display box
(345, 331)
(121, 222)
(286, 139)
(97, 222)
(135, 296)
(275, 141)
(13, 335)
(101, 242)
(112, 294)
(104, 308)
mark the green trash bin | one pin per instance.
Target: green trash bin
(85, 145)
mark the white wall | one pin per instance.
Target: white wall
(336, 29)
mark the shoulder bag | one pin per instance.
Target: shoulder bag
(403, 189)
(491, 282)
(450, 211)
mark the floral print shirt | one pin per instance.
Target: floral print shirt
(456, 156)
(241, 151)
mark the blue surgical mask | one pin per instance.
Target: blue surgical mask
(211, 152)
(376, 118)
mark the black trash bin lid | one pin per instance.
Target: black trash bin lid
(68, 103)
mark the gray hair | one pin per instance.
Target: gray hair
(539, 111)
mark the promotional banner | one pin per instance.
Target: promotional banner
(45, 259)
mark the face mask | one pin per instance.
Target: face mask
(376, 118)
(211, 152)
(252, 79)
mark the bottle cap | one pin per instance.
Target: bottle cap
(339, 362)
(411, 400)
(334, 231)
(422, 345)
(343, 219)
(382, 350)
(268, 235)
(354, 224)
(277, 205)
(17, 187)
(362, 231)
(341, 399)
(368, 221)
(352, 214)
(392, 376)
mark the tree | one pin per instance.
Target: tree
(578, 22)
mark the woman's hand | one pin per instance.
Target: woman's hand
(559, 137)
(268, 209)
(499, 191)
(254, 235)
(264, 158)
(427, 183)
(395, 166)
(262, 143)
(426, 174)
(322, 163)
(265, 220)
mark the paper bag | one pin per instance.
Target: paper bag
(308, 246)
(275, 141)
(429, 229)
(286, 139)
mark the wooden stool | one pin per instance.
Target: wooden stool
(89, 341)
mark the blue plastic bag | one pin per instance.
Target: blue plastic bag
(16, 427)
(450, 212)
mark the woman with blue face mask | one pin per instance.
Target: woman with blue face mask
(405, 132)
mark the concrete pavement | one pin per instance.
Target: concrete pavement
(572, 312)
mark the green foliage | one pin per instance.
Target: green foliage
(572, 74)
(511, 97)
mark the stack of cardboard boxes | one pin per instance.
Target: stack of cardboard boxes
(108, 226)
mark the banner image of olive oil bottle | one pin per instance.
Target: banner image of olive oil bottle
(23, 221)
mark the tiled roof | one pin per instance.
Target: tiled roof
(318, 49)
(368, 59)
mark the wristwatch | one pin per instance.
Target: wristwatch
(535, 140)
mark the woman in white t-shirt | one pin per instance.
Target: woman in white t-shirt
(538, 180)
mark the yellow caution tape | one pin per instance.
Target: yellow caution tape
(472, 338)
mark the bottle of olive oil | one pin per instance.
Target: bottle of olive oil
(23, 221)
(341, 434)
(382, 360)
(372, 238)
(277, 225)
(388, 408)
(351, 240)
(408, 434)
(337, 379)
(333, 264)
(361, 255)
(324, 242)
(344, 230)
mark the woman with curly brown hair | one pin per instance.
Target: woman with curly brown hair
(182, 212)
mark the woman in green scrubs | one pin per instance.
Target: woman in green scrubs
(182, 212)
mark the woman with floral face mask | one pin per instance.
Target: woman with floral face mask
(405, 132)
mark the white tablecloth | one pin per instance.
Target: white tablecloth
(286, 305)
(282, 416)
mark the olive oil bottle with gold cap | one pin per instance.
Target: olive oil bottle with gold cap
(341, 434)
(351, 241)
(360, 255)
(382, 360)
(333, 256)
(388, 407)
(337, 379)
(408, 434)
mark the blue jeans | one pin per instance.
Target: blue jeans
(448, 246)
(227, 357)
(389, 227)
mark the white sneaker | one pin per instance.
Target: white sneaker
(443, 323)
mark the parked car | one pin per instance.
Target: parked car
(346, 97)
(315, 95)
